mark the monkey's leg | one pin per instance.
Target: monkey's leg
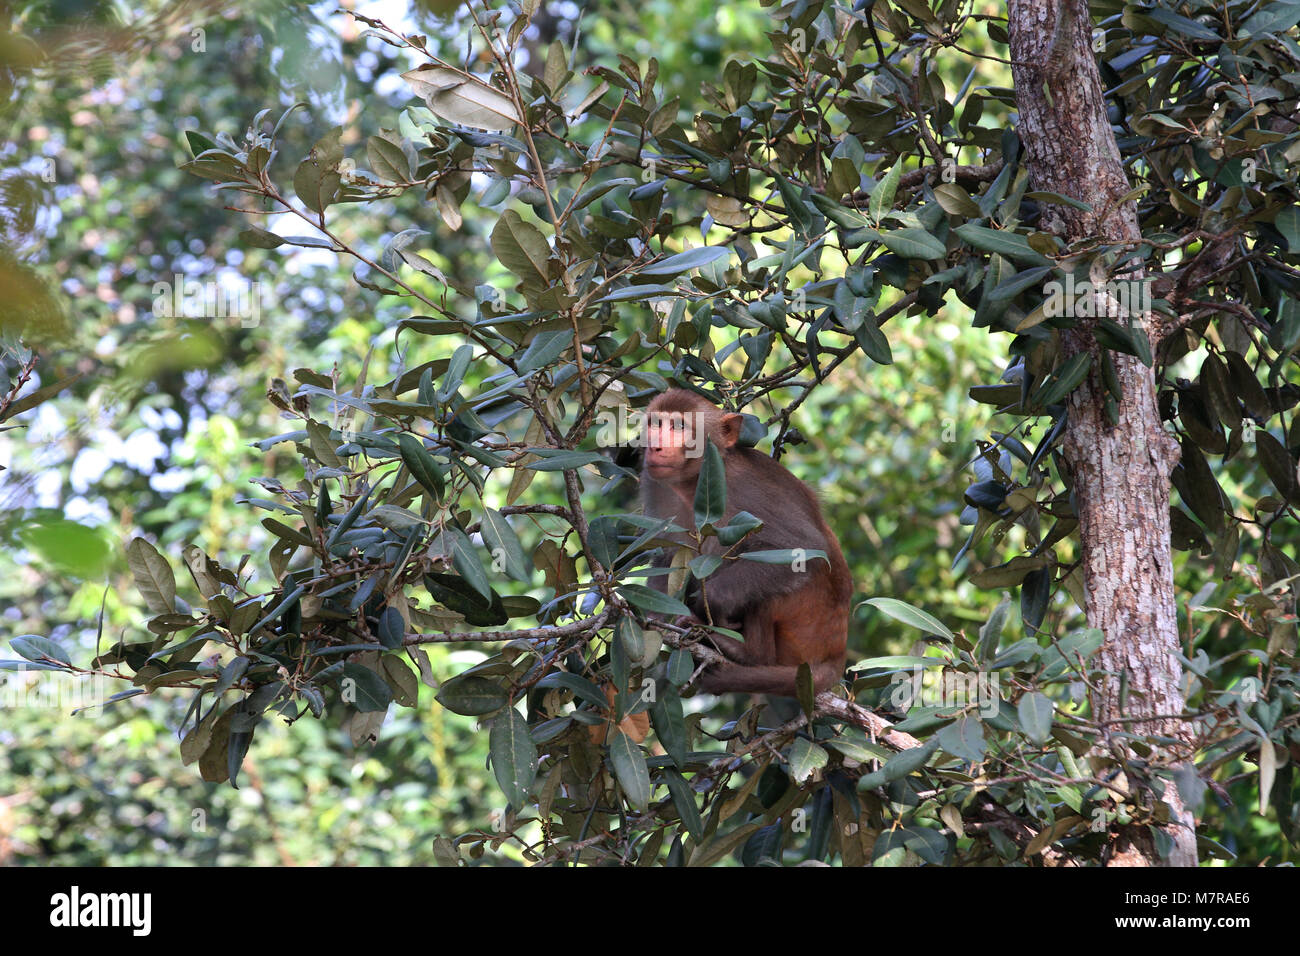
(757, 650)
(778, 679)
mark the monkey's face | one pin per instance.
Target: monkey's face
(674, 444)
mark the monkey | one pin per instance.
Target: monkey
(787, 616)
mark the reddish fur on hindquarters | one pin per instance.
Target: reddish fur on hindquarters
(787, 616)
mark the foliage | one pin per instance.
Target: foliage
(835, 186)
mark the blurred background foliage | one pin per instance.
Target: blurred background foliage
(153, 436)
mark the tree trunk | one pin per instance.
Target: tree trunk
(1120, 472)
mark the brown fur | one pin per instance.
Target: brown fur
(787, 617)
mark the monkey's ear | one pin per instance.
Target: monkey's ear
(729, 429)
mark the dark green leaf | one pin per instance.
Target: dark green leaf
(651, 601)
(514, 756)
(507, 553)
(1035, 712)
(710, 487)
(35, 648)
(472, 696)
(371, 692)
(630, 770)
(421, 464)
(684, 261)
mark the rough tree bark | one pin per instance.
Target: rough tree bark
(1121, 473)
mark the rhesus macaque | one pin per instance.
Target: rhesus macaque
(788, 614)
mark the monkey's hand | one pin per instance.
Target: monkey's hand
(700, 632)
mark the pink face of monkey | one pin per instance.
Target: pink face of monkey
(678, 425)
(671, 446)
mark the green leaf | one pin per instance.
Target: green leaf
(801, 215)
(904, 763)
(579, 686)
(153, 576)
(651, 601)
(392, 629)
(882, 197)
(401, 520)
(421, 464)
(1064, 380)
(710, 487)
(1002, 242)
(197, 641)
(402, 681)
(895, 661)
(1272, 18)
(630, 770)
(43, 394)
(680, 667)
(787, 556)
(514, 756)
(1009, 289)
(684, 801)
(463, 99)
(472, 696)
(260, 238)
(631, 636)
(489, 140)
(901, 611)
(806, 689)
(1035, 712)
(638, 292)
(543, 350)
(29, 666)
(702, 565)
(669, 721)
(372, 692)
(34, 648)
(521, 247)
(1288, 222)
(1278, 464)
(454, 592)
(858, 750)
(1063, 656)
(842, 216)
(388, 157)
(504, 544)
(684, 261)
(465, 558)
(1035, 592)
(1180, 24)
(956, 201)
(872, 341)
(805, 757)
(455, 374)
(72, 548)
(740, 525)
(964, 739)
(914, 243)
(559, 460)
(317, 179)
(1117, 338)
(591, 194)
